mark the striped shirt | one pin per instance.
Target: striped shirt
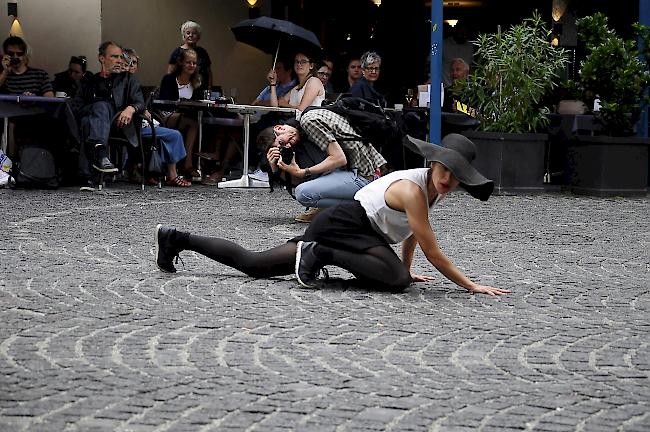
(323, 126)
(35, 81)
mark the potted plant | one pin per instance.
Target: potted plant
(613, 162)
(513, 70)
(570, 98)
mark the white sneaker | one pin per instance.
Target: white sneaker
(260, 175)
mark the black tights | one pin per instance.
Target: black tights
(378, 267)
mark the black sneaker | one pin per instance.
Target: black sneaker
(308, 266)
(165, 249)
(88, 186)
(101, 162)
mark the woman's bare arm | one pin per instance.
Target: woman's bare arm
(408, 196)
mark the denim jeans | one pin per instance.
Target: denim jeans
(330, 189)
(172, 149)
(95, 128)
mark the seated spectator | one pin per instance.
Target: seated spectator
(344, 169)
(323, 72)
(172, 149)
(458, 70)
(69, 81)
(329, 88)
(285, 82)
(191, 34)
(110, 93)
(183, 83)
(17, 77)
(354, 72)
(364, 87)
(308, 92)
(20, 79)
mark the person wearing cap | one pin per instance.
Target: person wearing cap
(357, 235)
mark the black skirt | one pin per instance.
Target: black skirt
(343, 226)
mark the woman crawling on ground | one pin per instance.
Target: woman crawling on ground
(356, 236)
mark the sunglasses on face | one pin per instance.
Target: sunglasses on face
(372, 69)
(15, 53)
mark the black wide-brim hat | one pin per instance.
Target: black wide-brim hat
(456, 152)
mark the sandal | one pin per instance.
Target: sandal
(178, 181)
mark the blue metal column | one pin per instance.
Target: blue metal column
(644, 18)
(436, 71)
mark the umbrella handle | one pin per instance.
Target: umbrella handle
(277, 50)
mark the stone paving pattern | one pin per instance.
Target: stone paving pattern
(93, 337)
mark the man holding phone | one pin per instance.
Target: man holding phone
(17, 77)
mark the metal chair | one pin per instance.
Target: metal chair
(116, 140)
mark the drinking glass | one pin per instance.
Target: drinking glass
(409, 97)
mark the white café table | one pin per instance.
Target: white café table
(246, 111)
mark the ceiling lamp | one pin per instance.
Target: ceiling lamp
(377, 2)
(452, 22)
(559, 7)
(251, 3)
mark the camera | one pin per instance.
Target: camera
(14, 61)
(286, 153)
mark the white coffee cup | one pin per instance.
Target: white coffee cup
(61, 94)
(399, 107)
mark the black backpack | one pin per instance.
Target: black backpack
(36, 169)
(375, 125)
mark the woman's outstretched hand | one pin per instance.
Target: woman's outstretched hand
(484, 289)
(421, 278)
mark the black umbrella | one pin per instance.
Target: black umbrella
(267, 34)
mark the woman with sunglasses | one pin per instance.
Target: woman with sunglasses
(364, 87)
(324, 73)
(308, 92)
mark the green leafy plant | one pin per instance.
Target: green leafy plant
(613, 71)
(513, 70)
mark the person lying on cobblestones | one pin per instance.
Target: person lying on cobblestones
(356, 235)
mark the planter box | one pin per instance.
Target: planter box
(515, 162)
(608, 166)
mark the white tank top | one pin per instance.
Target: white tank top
(185, 91)
(295, 96)
(392, 224)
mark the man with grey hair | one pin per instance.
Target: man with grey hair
(458, 69)
(109, 94)
(364, 87)
(191, 34)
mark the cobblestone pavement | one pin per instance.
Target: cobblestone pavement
(94, 337)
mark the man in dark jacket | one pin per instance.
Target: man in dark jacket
(110, 93)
